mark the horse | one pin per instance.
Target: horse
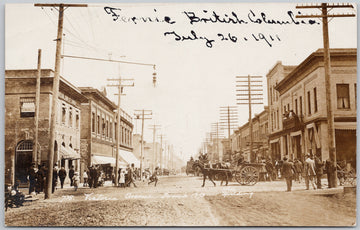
(210, 173)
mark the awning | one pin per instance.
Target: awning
(102, 160)
(68, 153)
(129, 158)
(345, 125)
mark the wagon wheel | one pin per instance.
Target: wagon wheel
(247, 176)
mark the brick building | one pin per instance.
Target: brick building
(297, 106)
(241, 138)
(20, 88)
(98, 133)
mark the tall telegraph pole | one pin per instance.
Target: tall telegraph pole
(330, 116)
(36, 157)
(229, 121)
(55, 92)
(154, 127)
(120, 86)
(140, 114)
(249, 86)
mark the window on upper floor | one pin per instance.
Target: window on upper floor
(309, 102)
(77, 119)
(70, 117)
(103, 126)
(63, 114)
(98, 124)
(300, 105)
(355, 90)
(27, 106)
(296, 107)
(343, 99)
(93, 123)
(315, 101)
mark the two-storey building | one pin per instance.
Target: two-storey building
(20, 91)
(298, 121)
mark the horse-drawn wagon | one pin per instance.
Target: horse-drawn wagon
(243, 173)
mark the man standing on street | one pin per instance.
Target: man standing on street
(71, 175)
(32, 178)
(319, 171)
(55, 178)
(287, 172)
(62, 176)
(309, 170)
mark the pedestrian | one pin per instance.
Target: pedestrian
(76, 180)
(40, 177)
(71, 175)
(309, 171)
(55, 178)
(62, 176)
(298, 170)
(287, 173)
(131, 176)
(122, 178)
(319, 170)
(85, 177)
(32, 178)
(154, 177)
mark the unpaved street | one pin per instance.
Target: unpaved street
(181, 201)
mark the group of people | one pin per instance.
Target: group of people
(128, 176)
(312, 170)
(93, 177)
(37, 178)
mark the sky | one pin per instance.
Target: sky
(193, 79)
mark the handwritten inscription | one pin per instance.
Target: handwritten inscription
(212, 17)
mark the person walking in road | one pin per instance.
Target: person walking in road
(154, 177)
(319, 170)
(131, 176)
(309, 171)
(287, 173)
(62, 176)
(298, 170)
(71, 175)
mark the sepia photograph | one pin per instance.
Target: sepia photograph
(164, 114)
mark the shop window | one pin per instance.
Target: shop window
(27, 107)
(98, 125)
(342, 91)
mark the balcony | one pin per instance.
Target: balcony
(292, 121)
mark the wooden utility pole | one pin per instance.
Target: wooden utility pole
(36, 157)
(55, 92)
(328, 86)
(161, 150)
(120, 86)
(140, 114)
(252, 93)
(154, 127)
(229, 120)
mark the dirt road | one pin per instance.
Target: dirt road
(181, 201)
